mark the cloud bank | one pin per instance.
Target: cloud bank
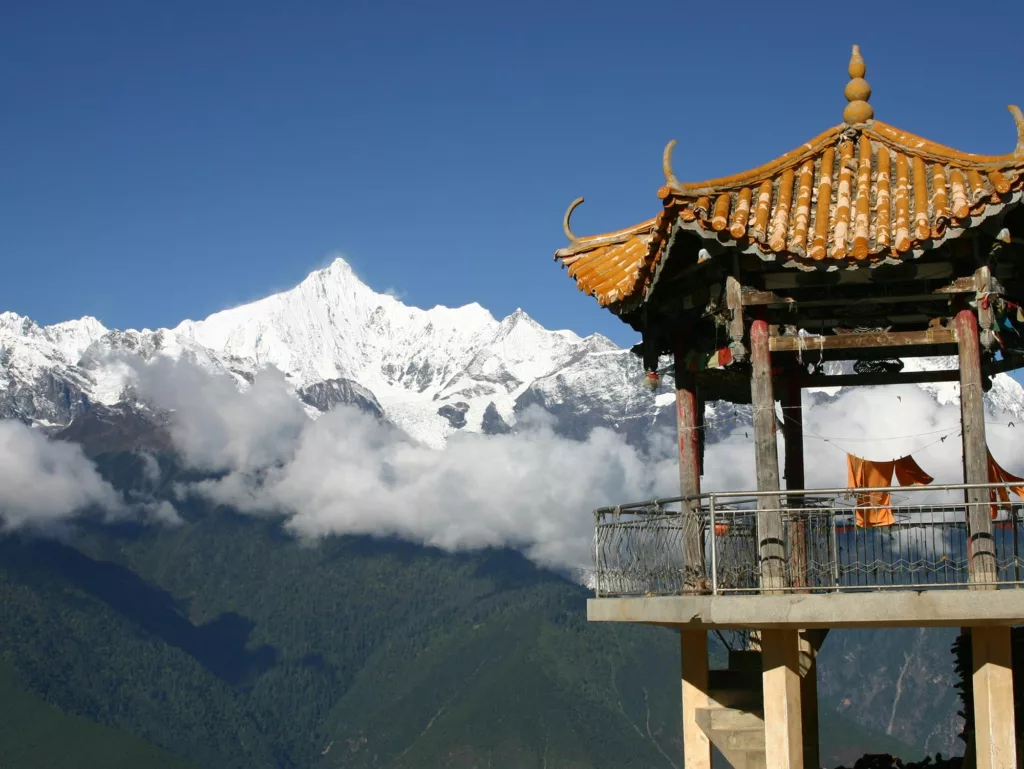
(44, 483)
(346, 473)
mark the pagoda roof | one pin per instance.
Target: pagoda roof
(861, 193)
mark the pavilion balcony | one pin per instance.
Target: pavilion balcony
(639, 548)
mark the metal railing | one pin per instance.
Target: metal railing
(829, 543)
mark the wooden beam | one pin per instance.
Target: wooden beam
(986, 317)
(734, 300)
(877, 353)
(853, 341)
(1008, 363)
(751, 296)
(766, 456)
(981, 545)
(966, 285)
(769, 299)
(881, 378)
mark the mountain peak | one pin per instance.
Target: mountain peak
(13, 323)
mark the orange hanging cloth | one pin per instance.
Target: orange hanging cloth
(909, 473)
(863, 473)
(996, 474)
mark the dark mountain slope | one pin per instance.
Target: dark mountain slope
(229, 643)
(36, 735)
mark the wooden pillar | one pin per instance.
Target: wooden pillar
(793, 432)
(693, 652)
(981, 547)
(689, 422)
(783, 727)
(995, 740)
(770, 535)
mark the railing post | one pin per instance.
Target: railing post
(597, 555)
(714, 546)
(835, 550)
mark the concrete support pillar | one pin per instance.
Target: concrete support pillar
(810, 643)
(783, 718)
(693, 652)
(995, 741)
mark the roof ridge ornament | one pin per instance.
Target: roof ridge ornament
(1018, 118)
(666, 165)
(858, 111)
(565, 220)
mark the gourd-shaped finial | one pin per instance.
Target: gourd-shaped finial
(858, 92)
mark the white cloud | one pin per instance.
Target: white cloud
(44, 482)
(347, 474)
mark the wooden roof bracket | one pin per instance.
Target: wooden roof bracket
(737, 331)
(986, 313)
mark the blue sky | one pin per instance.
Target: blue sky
(167, 160)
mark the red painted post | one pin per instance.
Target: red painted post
(982, 564)
(770, 533)
(688, 422)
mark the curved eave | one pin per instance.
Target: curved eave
(617, 265)
(853, 194)
(897, 139)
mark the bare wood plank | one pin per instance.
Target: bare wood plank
(986, 316)
(982, 564)
(871, 339)
(734, 301)
(959, 286)
(766, 456)
(751, 296)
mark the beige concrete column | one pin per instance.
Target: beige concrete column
(994, 733)
(810, 643)
(783, 728)
(693, 651)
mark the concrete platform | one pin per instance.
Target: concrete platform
(954, 607)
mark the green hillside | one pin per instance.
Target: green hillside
(229, 643)
(36, 735)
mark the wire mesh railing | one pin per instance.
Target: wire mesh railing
(832, 541)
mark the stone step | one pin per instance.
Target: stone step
(738, 734)
(728, 719)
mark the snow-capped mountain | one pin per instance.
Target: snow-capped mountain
(431, 372)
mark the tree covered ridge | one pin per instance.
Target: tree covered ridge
(230, 644)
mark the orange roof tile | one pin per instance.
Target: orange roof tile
(612, 266)
(862, 191)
